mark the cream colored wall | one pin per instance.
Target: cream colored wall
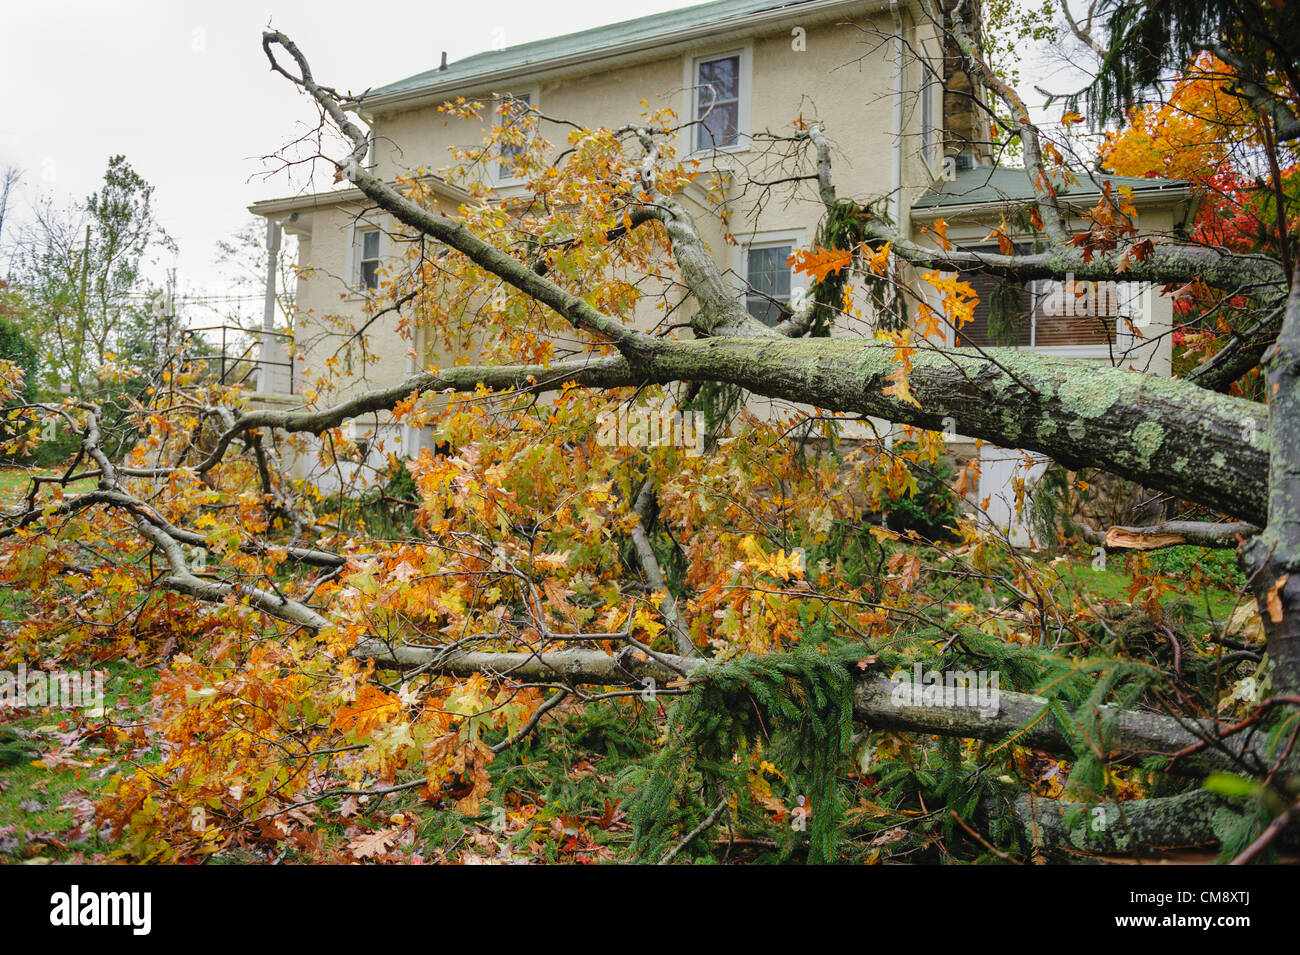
(844, 78)
(329, 309)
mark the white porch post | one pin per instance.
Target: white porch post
(272, 377)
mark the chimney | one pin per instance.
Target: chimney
(442, 68)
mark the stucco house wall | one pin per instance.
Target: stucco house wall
(869, 71)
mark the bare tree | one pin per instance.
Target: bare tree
(11, 176)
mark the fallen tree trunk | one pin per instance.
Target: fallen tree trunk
(1166, 822)
(876, 702)
(1228, 534)
(1165, 434)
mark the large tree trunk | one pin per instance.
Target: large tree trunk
(1273, 557)
(1166, 434)
(1163, 433)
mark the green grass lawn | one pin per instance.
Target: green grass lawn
(1214, 599)
(51, 777)
(14, 483)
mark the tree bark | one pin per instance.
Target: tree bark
(1164, 433)
(1273, 557)
(1167, 822)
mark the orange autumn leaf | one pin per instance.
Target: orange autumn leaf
(372, 708)
(877, 261)
(940, 230)
(1275, 598)
(902, 359)
(959, 298)
(819, 262)
(1003, 237)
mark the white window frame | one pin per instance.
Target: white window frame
(766, 240)
(360, 228)
(931, 120)
(1124, 340)
(690, 74)
(533, 95)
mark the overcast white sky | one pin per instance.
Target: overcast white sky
(182, 89)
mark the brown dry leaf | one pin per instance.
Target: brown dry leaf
(888, 836)
(1245, 623)
(908, 566)
(373, 843)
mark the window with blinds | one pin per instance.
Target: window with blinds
(1085, 314)
(1016, 330)
(1042, 314)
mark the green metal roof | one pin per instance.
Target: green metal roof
(642, 30)
(1003, 184)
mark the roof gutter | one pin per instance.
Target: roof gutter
(275, 208)
(1150, 196)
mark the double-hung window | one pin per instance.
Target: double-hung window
(510, 116)
(367, 257)
(717, 102)
(768, 276)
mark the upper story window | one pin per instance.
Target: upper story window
(511, 111)
(768, 275)
(717, 102)
(367, 252)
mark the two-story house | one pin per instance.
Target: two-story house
(877, 74)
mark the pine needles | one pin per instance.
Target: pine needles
(799, 702)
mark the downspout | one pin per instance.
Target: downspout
(896, 161)
(896, 166)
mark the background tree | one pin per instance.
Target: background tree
(81, 267)
(9, 178)
(243, 255)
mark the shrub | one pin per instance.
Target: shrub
(932, 510)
